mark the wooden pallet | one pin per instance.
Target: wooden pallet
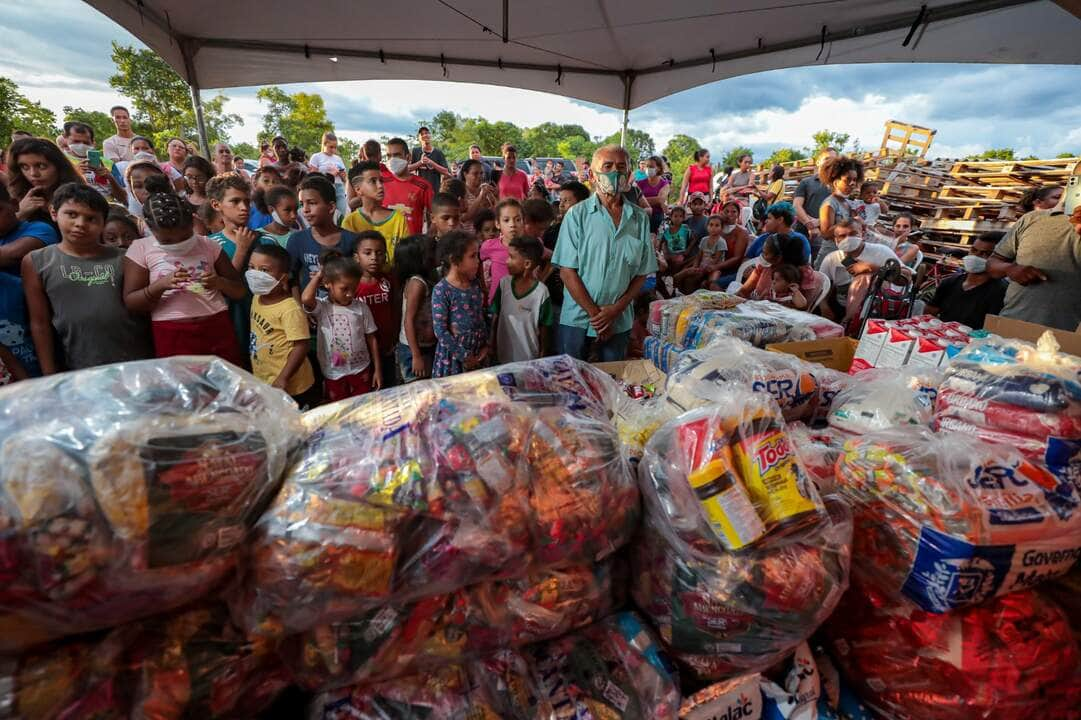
(1007, 193)
(905, 140)
(1028, 173)
(989, 210)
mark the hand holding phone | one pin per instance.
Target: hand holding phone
(93, 158)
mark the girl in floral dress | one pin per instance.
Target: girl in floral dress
(461, 329)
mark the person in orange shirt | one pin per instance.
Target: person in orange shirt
(404, 191)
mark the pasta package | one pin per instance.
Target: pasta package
(611, 669)
(434, 486)
(479, 620)
(1012, 658)
(739, 560)
(129, 489)
(947, 520)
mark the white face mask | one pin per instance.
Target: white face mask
(79, 149)
(146, 156)
(181, 248)
(974, 264)
(261, 283)
(651, 172)
(850, 244)
(134, 206)
(727, 228)
(397, 165)
(278, 219)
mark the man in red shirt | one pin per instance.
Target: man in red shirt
(410, 193)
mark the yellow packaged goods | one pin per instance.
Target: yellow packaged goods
(129, 489)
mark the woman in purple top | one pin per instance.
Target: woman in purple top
(654, 188)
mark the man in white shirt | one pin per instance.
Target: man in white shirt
(118, 147)
(853, 259)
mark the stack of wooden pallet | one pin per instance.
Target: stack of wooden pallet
(953, 201)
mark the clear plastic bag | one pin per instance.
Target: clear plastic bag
(1011, 392)
(434, 486)
(610, 670)
(738, 560)
(702, 374)
(479, 620)
(947, 520)
(1012, 658)
(666, 316)
(129, 489)
(884, 399)
(818, 450)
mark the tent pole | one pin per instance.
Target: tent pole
(628, 80)
(623, 135)
(186, 49)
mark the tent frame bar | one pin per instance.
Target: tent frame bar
(187, 50)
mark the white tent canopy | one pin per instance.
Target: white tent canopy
(619, 53)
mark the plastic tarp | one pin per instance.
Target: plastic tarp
(619, 53)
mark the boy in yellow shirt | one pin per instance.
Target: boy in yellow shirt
(367, 181)
(279, 328)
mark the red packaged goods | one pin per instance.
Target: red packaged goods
(701, 374)
(737, 562)
(128, 490)
(1011, 392)
(437, 485)
(1012, 658)
(193, 664)
(479, 620)
(611, 669)
(947, 520)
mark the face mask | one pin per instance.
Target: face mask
(145, 156)
(278, 219)
(849, 244)
(610, 183)
(261, 283)
(727, 228)
(651, 172)
(974, 263)
(181, 248)
(80, 149)
(396, 165)
(134, 206)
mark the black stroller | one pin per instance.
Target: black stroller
(891, 297)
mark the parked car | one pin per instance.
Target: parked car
(568, 166)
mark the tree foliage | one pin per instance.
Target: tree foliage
(1065, 155)
(161, 99)
(245, 150)
(994, 154)
(17, 112)
(783, 155)
(639, 142)
(301, 118)
(827, 138)
(731, 158)
(680, 153)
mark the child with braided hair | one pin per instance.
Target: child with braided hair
(182, 280)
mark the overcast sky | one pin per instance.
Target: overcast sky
(58, 53)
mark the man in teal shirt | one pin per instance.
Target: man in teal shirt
(604, 254)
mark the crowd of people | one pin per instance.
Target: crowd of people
(330, 277)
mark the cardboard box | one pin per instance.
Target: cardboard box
(834, 353)
(871, 341)
(928, 352)
(898, 348)
(633, 372)
(1069, 342)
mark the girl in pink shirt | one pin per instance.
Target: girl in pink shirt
(182, 279)
(493, 252)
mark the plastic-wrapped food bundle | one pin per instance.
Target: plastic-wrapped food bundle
(1011, 392)
(701, 374)
(884, 399)
(1012, 658)
(665, 316)
(127, 490)
(431, 487)
(663, 355)
(818, 450)
(738, 560)
(472, 622)
(610, 670)
(193, 664)
(948, 520)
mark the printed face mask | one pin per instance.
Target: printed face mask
(974, 264)
(260, 282)
(610, 183)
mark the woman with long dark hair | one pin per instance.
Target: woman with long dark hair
(36, 168)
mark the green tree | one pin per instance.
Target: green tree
(543, 140)
(161, 99)
(993, 154)
(348, 149)
(17, 112)
(680, 153)
(733, 156)
(827, 138)
(575, 146)
(443, 128)
(1065, 155)
(100, 121)
(301, 118)
(245, 150)
(639, 143)
(783, 155)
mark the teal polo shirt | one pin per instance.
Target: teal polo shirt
(606, 257)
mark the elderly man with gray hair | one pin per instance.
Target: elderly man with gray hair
(604, 254)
